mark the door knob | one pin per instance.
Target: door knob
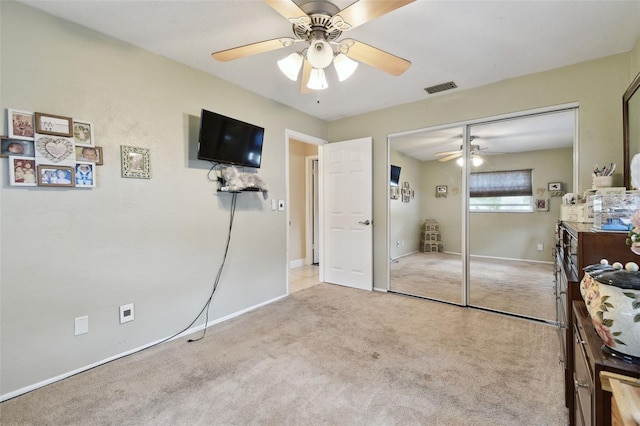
(366, 222)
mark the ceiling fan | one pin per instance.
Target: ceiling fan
(319, 24)
(474, 150)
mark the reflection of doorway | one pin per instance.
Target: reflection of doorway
(486, 248)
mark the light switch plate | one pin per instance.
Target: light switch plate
(281, 205)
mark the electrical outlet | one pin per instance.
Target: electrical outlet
(397, 243)
(126, 313)
(540, 247)
(81, 325)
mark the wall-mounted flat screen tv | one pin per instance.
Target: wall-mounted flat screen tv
(227, 140)
(395, 176)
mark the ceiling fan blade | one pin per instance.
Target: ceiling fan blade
(364, 11)
(252, 49)
(374, 57)
(306, 72)
(446, 152)
(450, 157)
(289, 10)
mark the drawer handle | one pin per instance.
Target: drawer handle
(580, 342)
(580, 385)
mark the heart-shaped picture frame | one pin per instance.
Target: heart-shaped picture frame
(54, 149)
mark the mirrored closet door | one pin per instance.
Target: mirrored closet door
(425, 213)
(473, 208)
(515, 196)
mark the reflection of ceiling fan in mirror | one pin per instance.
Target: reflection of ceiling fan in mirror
(319, 24)
(450, 155)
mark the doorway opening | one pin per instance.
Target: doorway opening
(302, 212)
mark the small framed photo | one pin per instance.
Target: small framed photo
(22, 171)
(555, 186)
(542, 205)
(92, 154)
(56, 125)
(83, 133)
(56, 175)
(85, 174)
(136, 162)
(20, 124)
(16, 147)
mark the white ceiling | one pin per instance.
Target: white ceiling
(470, 42)
(530, 133)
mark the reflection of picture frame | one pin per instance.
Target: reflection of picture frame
(85, 174)
(22, 171)
(555, 186)
(20, 124)
(136, 162)
(92, 154)
(441, 191)
(405, 184)
(394, 192)
(56, 125)
(56, 175)
(83, 133)
(542, 205)
(16, 147)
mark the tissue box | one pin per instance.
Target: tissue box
(582, 213)
(613, 212)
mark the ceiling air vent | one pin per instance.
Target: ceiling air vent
(440, 87)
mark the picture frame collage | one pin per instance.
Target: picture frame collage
(49, 150)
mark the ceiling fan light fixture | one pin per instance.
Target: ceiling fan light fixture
(344, 65)
(475, 161)
(320, 54)
(290, 66)
(317, 80)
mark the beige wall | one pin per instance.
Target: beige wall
(157, 243)
(298, 151)
(596, 85)
(406, 218)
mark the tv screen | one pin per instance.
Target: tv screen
(227, 140)
(395, 176)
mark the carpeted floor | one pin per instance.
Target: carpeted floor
(326, 355)
(523, 288)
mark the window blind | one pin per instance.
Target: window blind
(500, 184)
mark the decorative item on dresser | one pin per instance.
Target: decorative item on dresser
(578, 246)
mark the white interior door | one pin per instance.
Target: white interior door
(347, 226)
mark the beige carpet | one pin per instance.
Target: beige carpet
(326, 355)
(523, 288)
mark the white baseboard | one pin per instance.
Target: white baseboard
(38, 385)
(298, 263)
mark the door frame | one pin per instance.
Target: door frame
(305, 138)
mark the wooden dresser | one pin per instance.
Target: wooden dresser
(576, 247)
